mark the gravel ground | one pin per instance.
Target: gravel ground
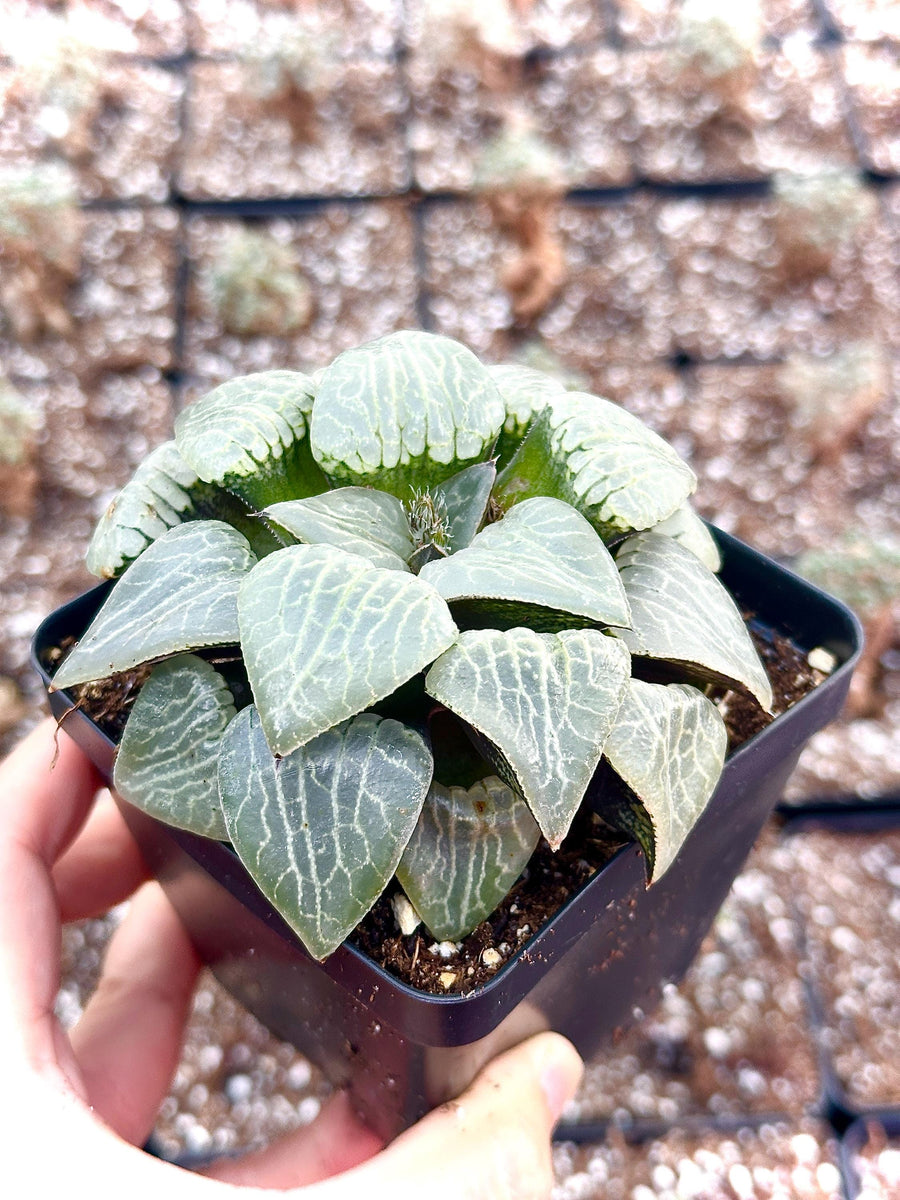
(683, 301)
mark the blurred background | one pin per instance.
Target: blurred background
(690, 207)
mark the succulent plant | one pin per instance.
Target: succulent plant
(816, 213)
(831, 398)
(19, 423)
(717, 40)
(255, 285)
(863, 569)
(860, 568)
(524, 179)
(18, 426)
(439, 654)
(61, 64)
(290, 62)
(40, 247)
(518, 159)
(487, 38)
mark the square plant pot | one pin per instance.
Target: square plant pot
(599, 963)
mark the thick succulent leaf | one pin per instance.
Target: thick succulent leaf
(600, 459)
(156, 498)
(541, 555)
(467, 851)
(547, 703)
(163, 492)
(668, 745)
(167, 761)
(181, 594)
(465, 498)
(682, 615)
(686, 527)
(251, 437)
(362, 521)
(325, 635)
(406, 411)
(322, 830)
(525, 391)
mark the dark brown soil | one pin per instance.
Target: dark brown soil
(791, 677)
(544, 886)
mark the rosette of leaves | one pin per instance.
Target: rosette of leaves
(435, 657)
(255, 285)
(718, 45)
(290, 64)
(523, 180)
(818, 213)
(41, 230)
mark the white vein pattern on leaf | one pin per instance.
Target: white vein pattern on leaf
(681, 611)
(152, 612)
(624, 471)
(148, 505)
(509, 575)
(441, 431)
(674, 745)
(455, 891)
(368, 517)
(336, 862)
(254, 430)
(367, 614)
(535, 565)
(551, 740)
(179, 746)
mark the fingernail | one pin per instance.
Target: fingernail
(561, 1074)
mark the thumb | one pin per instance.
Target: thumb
(494, 1141)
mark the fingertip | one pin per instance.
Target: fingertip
(560, 1070)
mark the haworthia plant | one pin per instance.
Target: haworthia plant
(181, 594)
(163, 492)
(544, 560)
(687, 528)
(336, 591)
(669, 746)
(326, 634)
(361, 520)
(547, 702)
(525, 391)
(683, 618)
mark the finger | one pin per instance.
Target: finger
(102, 867)
(128, 1041)
(336, 1141)
(48, 787)
(41, 810)
(493, 1143)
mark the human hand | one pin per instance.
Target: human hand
(86, 1102)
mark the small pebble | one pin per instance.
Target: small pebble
(491, 957)
(443, 949)
(822, 660)
(408, 920)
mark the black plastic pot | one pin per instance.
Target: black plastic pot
(599, 963)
